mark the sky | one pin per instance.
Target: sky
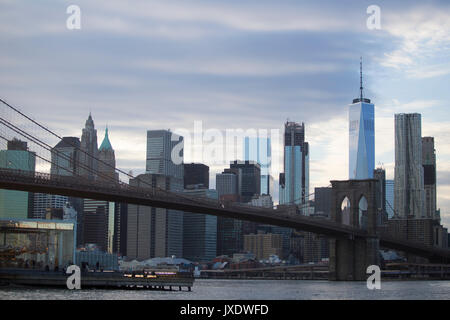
(232, 65)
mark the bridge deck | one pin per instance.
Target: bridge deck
(121, 192)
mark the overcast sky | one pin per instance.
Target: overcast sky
(141, 65)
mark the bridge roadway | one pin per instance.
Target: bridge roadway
(121, 192)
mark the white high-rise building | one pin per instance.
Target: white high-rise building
(361, 138)
(409, 183)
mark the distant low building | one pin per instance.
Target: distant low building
(264, 245)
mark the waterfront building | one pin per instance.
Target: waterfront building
(16, 204)
(409, 182)
(316, 247)
(196, 173)
(361, 137)
(263, 245)
(200, 230)
(294, 180)
(35, 243)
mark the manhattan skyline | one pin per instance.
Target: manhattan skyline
(169, 65)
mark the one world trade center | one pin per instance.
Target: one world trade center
(361, 137)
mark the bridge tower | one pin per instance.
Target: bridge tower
(354, 204)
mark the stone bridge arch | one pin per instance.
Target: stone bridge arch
(349, 258)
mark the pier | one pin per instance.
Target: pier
(101, 280)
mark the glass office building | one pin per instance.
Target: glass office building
(294, 181)
(361, 139)
(361, 117)
(16, 204)
(200, 230)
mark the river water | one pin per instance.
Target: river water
(205, 289)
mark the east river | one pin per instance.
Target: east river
(250, 290)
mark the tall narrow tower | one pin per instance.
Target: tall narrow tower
(409, 190)
(89, 145)
(361, 136)
(294, 181)
(107, 163)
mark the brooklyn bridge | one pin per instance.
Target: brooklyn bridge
(352, 247)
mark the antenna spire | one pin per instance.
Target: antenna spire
(361, 78)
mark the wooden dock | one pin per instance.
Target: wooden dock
(96, 279)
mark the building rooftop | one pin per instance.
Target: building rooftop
(106, 144)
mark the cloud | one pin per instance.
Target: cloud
(235, 67)
(423, 35)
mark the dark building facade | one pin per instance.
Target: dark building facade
(380, 175)
(429, 175)
(248, 178)
(229, 231)
(154, 232)
(195, 174)
(322, 200)
(249, 184)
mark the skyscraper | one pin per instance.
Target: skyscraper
(390, 198)
(248, 177)
(200, 230)
(361, 137)
(154, 232)
(89, 150)
(164, 153)
(429, 174)
(409, 183)
(65, 157)
(294, 181)
(16, 204)
(196, 173)
(229, 230)
(65, 162)
(157, 232)
(322, 201)
(258, 149)
(380, 175)
(101, 217)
